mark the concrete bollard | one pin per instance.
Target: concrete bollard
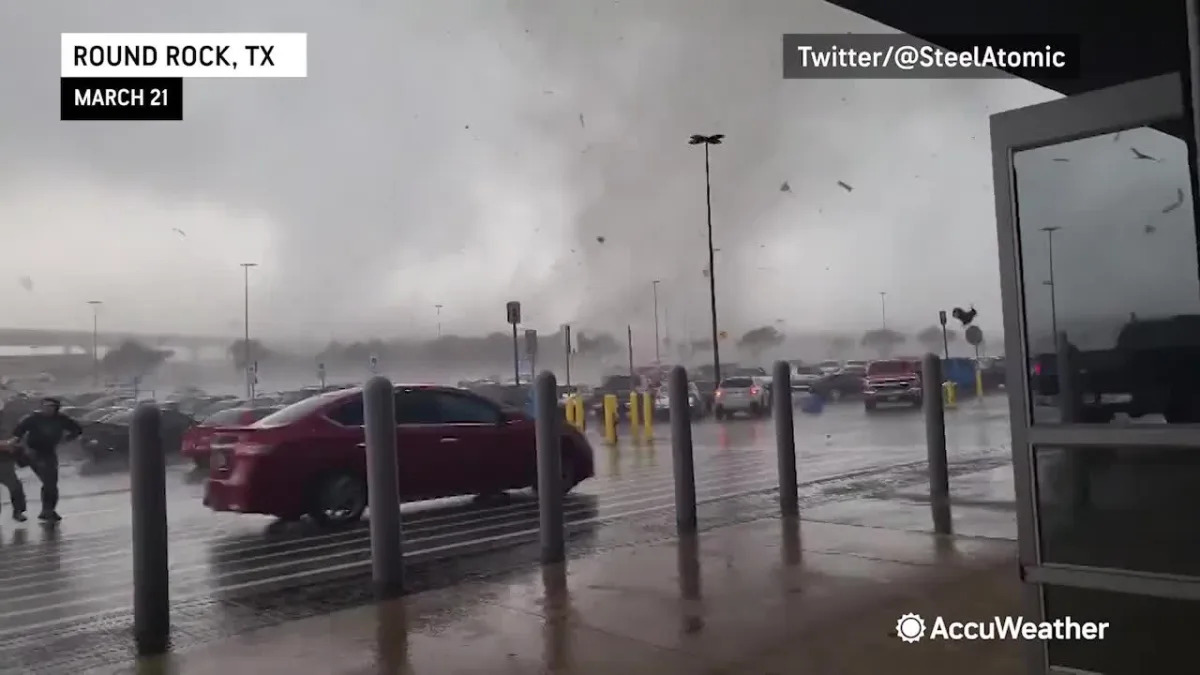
(634, 415)
(935, 443)
(785, 438)
(610, 418)
(148, 499)
(681, 452)
(549, 470)
(383, 487)
(648, 417)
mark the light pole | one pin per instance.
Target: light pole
(883, 309)
(95, 341)
(657, 341)
(246, 326)
(439, 320)
(1050, 230)
(715, 139)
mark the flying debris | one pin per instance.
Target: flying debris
(1061, 159)
(1138, 154)
(1116, 137)
(26, 283)
(845, 186)
(785, 187)
(600, 239)
(1175, 204)
(178, 231)
(1150, 228)
(582, 125)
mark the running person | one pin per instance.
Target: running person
(42, 432)
(10, 480)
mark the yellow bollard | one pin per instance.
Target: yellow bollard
(978, 382)
(580, 414)
(949, 395)
(633, 415)
(648, 416)
(569, 407)
(610, 418)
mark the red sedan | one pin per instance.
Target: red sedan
(197, 438)
(309, 459)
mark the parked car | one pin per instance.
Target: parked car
(110, 437)
(217, 406)
(845, 383)
(195, 444)
(740, 395)
(804, 377)
(892, 381)
(662, 403)
(309, 459)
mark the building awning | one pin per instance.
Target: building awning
(1120, 41)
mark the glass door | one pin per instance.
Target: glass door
(1101, 291)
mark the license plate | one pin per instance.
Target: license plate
(893, 397)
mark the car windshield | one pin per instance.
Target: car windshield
(737, 383)
(890, 368)
(299, 410)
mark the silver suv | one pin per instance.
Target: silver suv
(741, 394)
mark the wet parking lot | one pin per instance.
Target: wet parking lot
(66, 592)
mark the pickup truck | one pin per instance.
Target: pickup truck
(1153, 369)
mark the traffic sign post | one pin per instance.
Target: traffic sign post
(321, 375)
(513, 311)
(975, 338)
(945, 335)
(531, 345)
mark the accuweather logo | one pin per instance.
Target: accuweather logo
(912, 628)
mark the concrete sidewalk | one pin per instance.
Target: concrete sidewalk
(760, 598)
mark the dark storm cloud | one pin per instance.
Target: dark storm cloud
(426, 132)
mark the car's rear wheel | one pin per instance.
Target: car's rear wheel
(340, 498)
(569, 481)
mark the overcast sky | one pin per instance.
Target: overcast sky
(468, 153)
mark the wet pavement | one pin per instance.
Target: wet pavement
(764, 597)
(65, 592)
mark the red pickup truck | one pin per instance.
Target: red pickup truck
(892, 381)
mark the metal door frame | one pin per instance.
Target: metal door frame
(1124, 106)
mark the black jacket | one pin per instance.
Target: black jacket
(43, 433)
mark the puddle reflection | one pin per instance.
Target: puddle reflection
(391, 638)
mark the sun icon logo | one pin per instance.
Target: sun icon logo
(910, 628)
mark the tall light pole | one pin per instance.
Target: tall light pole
(246, 326)
(883, 309)
(715, 139)
(1050, 230)
(95, 304)
(657, 341)
(439, 320)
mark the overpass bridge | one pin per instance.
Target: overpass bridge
(39, 337)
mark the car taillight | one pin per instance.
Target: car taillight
(719, 393)
(754, 391)
(1037, 369)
